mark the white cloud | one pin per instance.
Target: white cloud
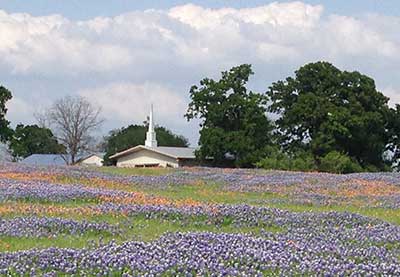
(185, 35)
(130, 103)
(20, 111)
(393, 94)
(129, 60)
(350, 36)
(277, 14)
(46, 45)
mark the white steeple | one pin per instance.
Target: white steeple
(151, 140)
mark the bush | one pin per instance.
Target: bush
(336, 162)
(279, 160)
(303, 162)
(333, 162)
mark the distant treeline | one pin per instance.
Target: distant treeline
(326, 120)
(320, 119)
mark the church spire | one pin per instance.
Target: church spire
(151, 140)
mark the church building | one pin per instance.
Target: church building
(152, 155)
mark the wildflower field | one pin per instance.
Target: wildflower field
(62, 221)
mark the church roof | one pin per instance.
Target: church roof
(178, 152)
(151, 145)
(173, 152)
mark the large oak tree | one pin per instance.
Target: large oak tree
(233, 119)
(323, 109)
(5, 131)
(32, 139)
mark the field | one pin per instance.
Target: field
(59, 221)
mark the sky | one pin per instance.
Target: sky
(125, 55)
(80, 10)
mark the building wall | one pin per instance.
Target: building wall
(93, 160)
(145, 157)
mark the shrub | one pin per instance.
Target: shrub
(336, 162)
(279, 160)
(303, 162)
(333, 162)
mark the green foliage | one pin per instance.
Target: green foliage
(337, 162)
(5, 131)
(279, 160)
(32, 139)
(233, 119)
(394, 143)
(133, 135)
(323, 109)
(333, 162)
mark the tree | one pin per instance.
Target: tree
(323, 109)
(233, 119)
(73, 119)
(133, 135)
(32, 139)
(5, 131)
(394, 142)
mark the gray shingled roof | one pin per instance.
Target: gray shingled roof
(177, 152)
(44, 159)
(174, 152)
(53, 159)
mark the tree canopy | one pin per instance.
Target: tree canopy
(32, 139)
(73, 119)
(233, 119)
(323, 109)
(5, 131)
(133, 135)
(326, 119)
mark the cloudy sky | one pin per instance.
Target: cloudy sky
(125, 55)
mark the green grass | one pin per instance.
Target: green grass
(202, 192)
(68, 203)
(149, 171)
(9, 244)
(208, 193)
(216, 194)
(134, 228)
(143, 229)
(389, 215)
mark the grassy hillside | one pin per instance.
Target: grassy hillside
(198, 221)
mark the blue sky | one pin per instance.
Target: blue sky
(129, 58)
(84, 9)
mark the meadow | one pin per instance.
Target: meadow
(62, 221)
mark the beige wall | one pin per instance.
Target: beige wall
(143, 157)
(93, 160)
